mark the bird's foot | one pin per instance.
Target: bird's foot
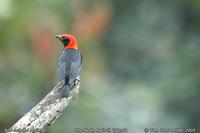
(76, 82)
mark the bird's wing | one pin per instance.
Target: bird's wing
(61, 71)
(75, 69)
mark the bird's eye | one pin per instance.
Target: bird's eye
(66, 41)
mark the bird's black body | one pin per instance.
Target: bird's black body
(69, 65)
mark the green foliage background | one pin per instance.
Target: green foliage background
(141, 61)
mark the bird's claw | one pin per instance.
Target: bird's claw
(76, 82)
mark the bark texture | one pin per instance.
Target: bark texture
(46, 111)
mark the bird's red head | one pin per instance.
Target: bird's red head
(68, 41)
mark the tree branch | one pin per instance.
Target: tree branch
(46, 111)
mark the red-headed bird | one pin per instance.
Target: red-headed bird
(69, 63)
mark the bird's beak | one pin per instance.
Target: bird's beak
(59, 37)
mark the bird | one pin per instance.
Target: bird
(69, 63)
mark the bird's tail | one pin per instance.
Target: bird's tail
(65, 91)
